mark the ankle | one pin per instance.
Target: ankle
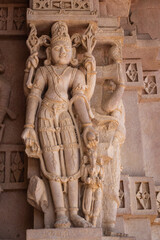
(60, 212)
(73, 211)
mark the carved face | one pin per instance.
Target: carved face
(61, 52)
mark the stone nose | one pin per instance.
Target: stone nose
(62, 51)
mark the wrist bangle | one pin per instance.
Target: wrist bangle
(86, 124)
(29, 126)
(92, 73)
(122, 85)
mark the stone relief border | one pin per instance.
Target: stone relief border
(63, 7)
(13, 167)
(13, 19)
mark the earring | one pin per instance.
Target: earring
(47, 62)
(74, 60)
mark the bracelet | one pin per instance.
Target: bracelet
(122, 85)
(29, 126)
(86, 124)
(92, 73)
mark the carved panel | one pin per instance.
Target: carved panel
(151, 91)
(12, 19)
(3, 18)
(124, 196)
(133, 73)
(55, 5)
(19, 16)
(157, 193)
(143, 201)
(12, 167)
(121, 195)
(143, 195)
(137, 197)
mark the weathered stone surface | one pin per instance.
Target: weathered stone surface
(119, 8)
(65, 234)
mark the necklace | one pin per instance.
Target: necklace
(59, 75)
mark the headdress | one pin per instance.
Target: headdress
(59, 32)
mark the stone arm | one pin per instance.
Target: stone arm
(79, 104)
(112, 102)
(4, 99)
(29, 135)
(34, 98)
(90, 136)
(85, 174)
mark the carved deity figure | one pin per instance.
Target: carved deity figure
(113, 106)
(93, 180)
(58, 88)
(110, 121)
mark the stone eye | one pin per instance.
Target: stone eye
(57, 48)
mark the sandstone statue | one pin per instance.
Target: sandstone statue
(110, 119)
(51, 132)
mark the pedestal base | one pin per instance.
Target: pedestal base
(118, 238)
(65, 234)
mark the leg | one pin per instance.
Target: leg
(111, 188)
(71, 154)
(97, 205)
(87, 202)
(52, 162)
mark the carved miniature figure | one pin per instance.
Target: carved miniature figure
(49, 107)
(92, 178)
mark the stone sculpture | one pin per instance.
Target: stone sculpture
(57, 143)
(111, 126)
(93, 180)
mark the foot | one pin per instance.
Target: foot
(79, 221)
(62, 222)
(113, 233)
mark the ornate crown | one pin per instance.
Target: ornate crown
(59, 32)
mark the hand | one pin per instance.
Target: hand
(32, 61)
(90, 137)
(89, 62)
(88, 180)
(30, 139)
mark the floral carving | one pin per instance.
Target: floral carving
(3, 18)
(81, 4)
(143, 196)
(17, 167)
(131, 72)
(57, 5)
(150, 86)
(2, 167)
(19, 18)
